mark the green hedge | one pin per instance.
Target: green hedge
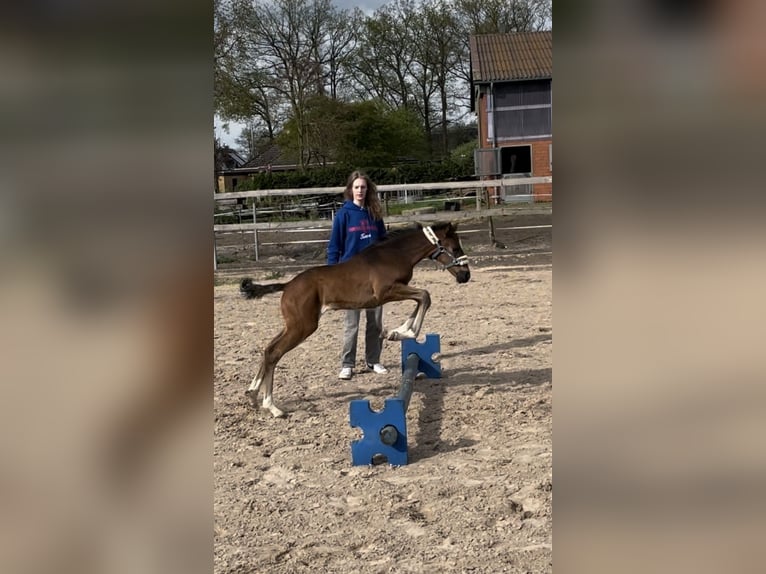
(333, 176)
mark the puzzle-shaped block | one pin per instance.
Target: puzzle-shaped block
(424, 351)
(385, 432)
(372, 423)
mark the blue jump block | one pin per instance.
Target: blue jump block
(372, 422)
(392, 444)
(424, 351)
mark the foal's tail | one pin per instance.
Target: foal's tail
(254, 291)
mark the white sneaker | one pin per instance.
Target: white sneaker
(346, 373)
(377, 368)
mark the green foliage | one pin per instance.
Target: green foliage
(335, 175)
(223, 259)
(399, 208)
(357, 133)
(463, 154)
(335, 85)
(380, 135)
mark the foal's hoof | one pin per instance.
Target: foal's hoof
(253, 396)
(397, 336)
(275, 412)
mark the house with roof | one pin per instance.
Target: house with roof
(233, 174)
(511, 94)
(228, 161)
(271, 158)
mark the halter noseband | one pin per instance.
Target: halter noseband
(456, 261)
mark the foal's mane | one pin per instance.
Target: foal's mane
(408, 231)
(401, 232)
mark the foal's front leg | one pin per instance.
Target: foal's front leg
(405, 331)
(411, 327)
(420, 313)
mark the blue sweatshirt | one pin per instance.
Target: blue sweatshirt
(353, 229)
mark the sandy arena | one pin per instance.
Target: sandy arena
(476, 496)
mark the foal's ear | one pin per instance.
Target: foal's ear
(453, 225)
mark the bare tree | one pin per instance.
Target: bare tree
(340, 45)
(441, 48)
(293, 43)
(242, 91)
(493, 17)
(384, 55)
(273, 58)
(423, 78)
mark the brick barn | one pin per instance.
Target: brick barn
(511, 88)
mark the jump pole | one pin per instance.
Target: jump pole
(385, 431)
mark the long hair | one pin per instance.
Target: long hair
(371, 200)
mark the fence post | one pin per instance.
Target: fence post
(215, 254)
(255, 233)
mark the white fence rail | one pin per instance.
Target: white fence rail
(321, 224)
(503, 182)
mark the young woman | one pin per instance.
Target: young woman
(357, 225)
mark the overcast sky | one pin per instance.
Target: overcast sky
(368, 6)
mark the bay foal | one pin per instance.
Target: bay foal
(379, 274)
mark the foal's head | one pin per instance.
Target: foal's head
(451, 254)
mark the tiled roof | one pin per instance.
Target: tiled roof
(275, 158)
(515, 56)
(269, 156)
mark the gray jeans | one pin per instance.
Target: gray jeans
(373, 344)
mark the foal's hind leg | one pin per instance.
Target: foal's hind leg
(265, 372)
(291, 336)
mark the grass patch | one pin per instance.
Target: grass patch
(219, 280)
(276, 274)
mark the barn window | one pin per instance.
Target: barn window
(522, 110)
(516, 159)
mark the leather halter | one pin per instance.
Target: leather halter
(456, 261)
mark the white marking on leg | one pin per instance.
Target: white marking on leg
(252, 391)
(418, 325)
(271, 407)
(255, 385)
(268, 403)
(421, 313)
(400, 333)
(405, 331)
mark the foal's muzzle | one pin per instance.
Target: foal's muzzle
(459, 268)
(462, 274)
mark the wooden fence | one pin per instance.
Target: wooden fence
(484, 192)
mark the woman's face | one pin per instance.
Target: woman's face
(359, 190)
